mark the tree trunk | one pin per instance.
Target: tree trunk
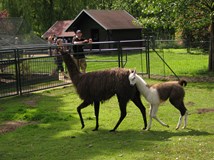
(51, 12)
(211, 55)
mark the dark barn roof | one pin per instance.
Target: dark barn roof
(111, 19)
(59, 29)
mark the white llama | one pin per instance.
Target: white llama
(158, 93)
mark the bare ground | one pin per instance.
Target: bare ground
(187, 78)
(205, 110)
(10, 126)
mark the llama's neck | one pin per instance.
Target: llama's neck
(73, 71)
(142, 86)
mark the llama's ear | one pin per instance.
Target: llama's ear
(134, 71)
(131, 71)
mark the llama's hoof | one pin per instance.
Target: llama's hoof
(177, 128)
(83, 126)
(167, 126)
(183, 127)
(147, 129)
(144, 128)
(113, 130)
(95, 129)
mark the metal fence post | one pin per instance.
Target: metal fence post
(147, 57)
(17, 69)
(119, 54)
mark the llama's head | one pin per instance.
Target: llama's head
(132, 78)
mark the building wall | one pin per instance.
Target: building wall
(86, 24)
(128, 34)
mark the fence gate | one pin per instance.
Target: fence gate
(26, 70)
(8, 73)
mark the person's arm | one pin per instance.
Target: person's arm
(81, 42)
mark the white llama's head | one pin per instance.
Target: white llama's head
(132, 78)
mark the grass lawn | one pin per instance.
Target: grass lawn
(181, 62)
(56, 134)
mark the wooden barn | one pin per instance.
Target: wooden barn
(107, 25)
(59, 28)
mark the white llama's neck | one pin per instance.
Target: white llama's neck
(142, 86)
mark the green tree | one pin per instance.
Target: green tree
(38, 13)
(41, 14)
(185, 15)
(156, 16)
(193, 15)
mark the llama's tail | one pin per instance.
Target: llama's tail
(182, 82)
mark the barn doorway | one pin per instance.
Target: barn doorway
(95, 37)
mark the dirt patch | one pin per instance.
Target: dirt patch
(31, 103)
(205, 110)
(188, 79)
(190, 104)
(12, 126)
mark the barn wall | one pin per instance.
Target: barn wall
(129, 34)
(86, 24)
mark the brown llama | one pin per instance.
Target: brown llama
(98, 86)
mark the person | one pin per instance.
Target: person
(90, 41)
(54, 38)
(78, 48)
(50, 42)
(58, 59)
(50, 39)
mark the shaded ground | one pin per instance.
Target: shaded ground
(10, 126)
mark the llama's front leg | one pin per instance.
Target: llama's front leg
(122, 104)
(150, 118)
(154, 112)
(81, 106)
(137, 101)
(122, 116)
(96, 111)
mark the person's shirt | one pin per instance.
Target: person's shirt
(58, 51)
(78, 48)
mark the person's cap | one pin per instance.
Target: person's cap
(78, 31)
